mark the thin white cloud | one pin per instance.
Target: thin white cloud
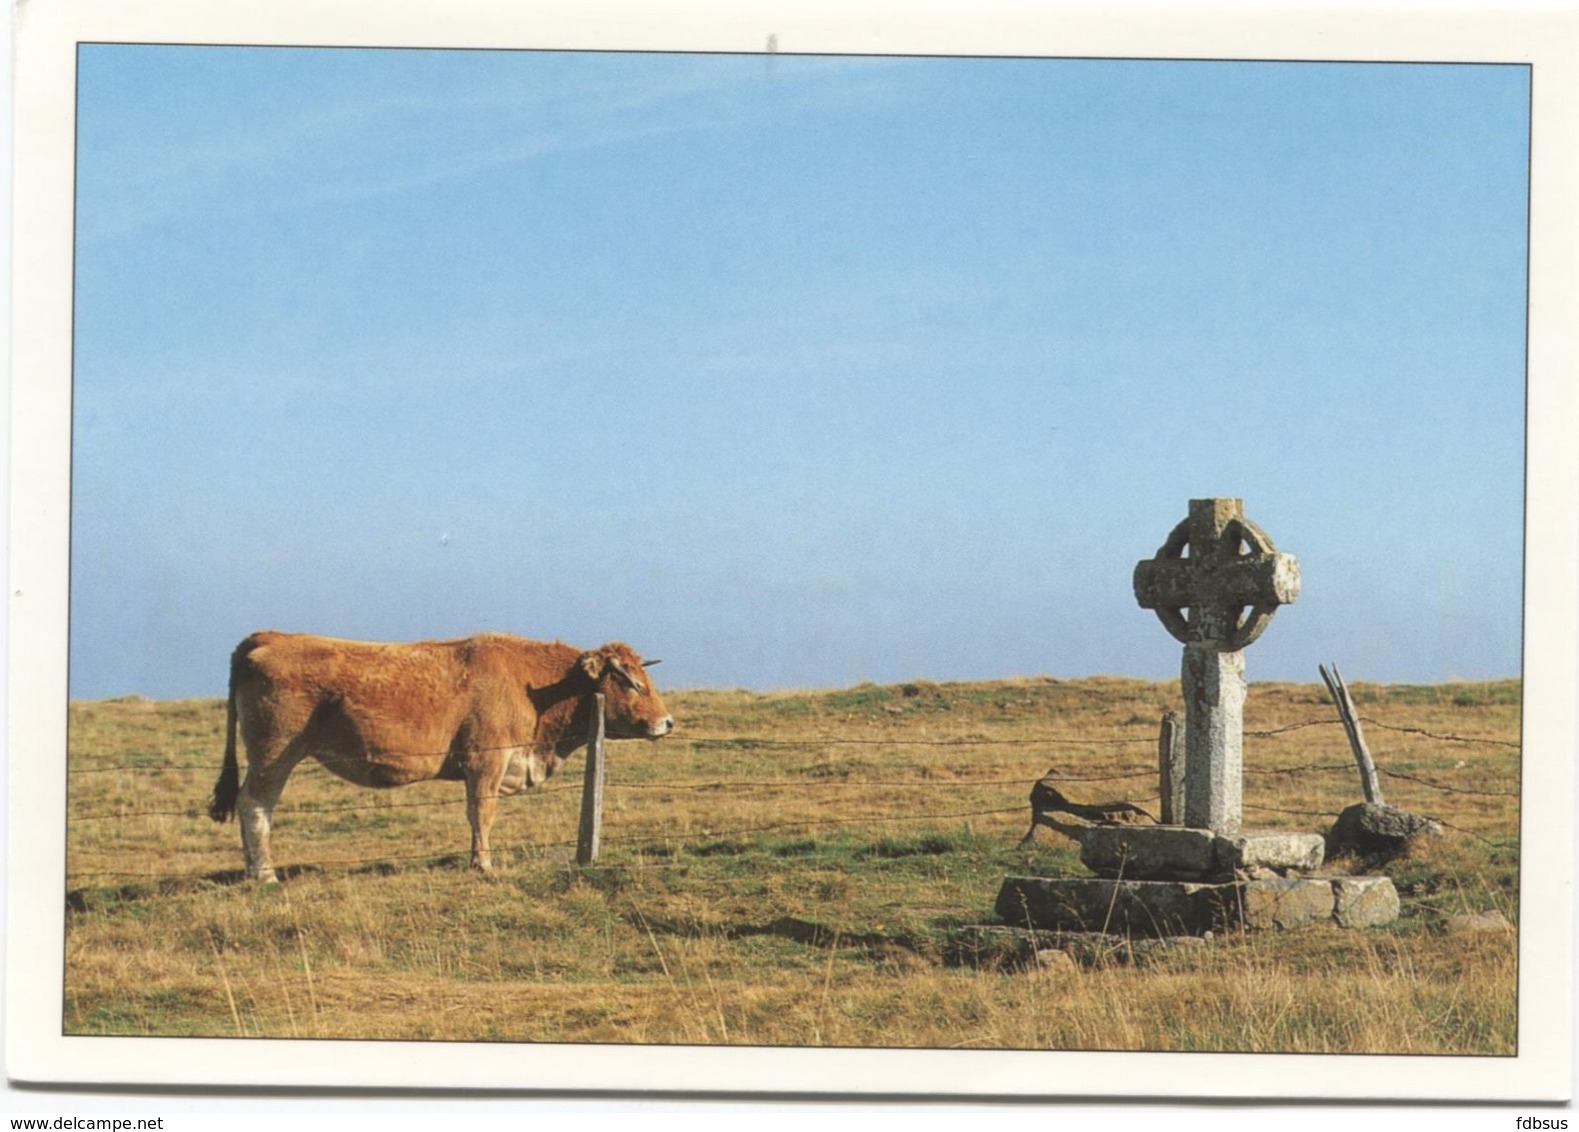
(138, 171)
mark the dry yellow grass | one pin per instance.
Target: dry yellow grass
(786, 870)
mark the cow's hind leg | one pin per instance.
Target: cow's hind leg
(260, 792)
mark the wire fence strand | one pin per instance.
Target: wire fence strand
(1442, 737)
(1445, 788)
(757, 742)
(781, 785)
(735, 743)
(714, 835)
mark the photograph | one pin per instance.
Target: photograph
(1087, 505)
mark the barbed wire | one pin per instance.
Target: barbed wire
(1460, 829)
(1281, 810)
(1443, 737)
(639, 839)
(1322, 814)
(749, 742)
(853, 783)
(567, 785)
(194, 811)
(1269, 732)
(218, 875)
(753, 742)
(1298, 769)
(1448, 789)
(797, 824)
(722, 835)
(740, 743)
(1390, 773)
(330, 760)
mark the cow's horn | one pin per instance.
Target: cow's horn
(650, 663)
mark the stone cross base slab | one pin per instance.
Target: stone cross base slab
(1155, 908)
(1173, 852)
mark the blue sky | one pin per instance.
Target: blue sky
(794, 371)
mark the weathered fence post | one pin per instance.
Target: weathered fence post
(1170, 768)
(1370, 785)
(592, 789)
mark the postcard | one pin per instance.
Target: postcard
(1100, 486)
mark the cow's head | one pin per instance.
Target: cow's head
(633, 709)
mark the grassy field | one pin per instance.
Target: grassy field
(786, 869)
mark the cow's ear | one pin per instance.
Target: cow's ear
(592, 664)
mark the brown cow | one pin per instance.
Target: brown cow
(499, 712)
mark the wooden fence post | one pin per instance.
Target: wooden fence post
(592, 789)
(1370, 785)
(1170, 769)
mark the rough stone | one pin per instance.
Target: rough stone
(1492, 921)
(1148, 852)
(1373, 829)
(1055, 959)
(1122, 907)
(1364, 902)
(1288, 903)
(1256, 872)
(1271, 850)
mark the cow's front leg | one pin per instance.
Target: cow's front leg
(482, 800)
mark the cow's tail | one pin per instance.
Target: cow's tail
(228, 785)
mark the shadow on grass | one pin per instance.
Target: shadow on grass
(102, 897)
(806, 932)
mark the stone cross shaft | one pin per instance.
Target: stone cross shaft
(1214, 585)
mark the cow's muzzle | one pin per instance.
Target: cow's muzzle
(661, 728)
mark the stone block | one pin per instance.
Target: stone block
(1364, 902)
(1128, 908)
(1286, 903)
(1148, 852)
(1271, 850)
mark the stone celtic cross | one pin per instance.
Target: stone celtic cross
(1214, 585)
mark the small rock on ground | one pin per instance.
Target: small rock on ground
(1492, 921)
(1055, 959)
